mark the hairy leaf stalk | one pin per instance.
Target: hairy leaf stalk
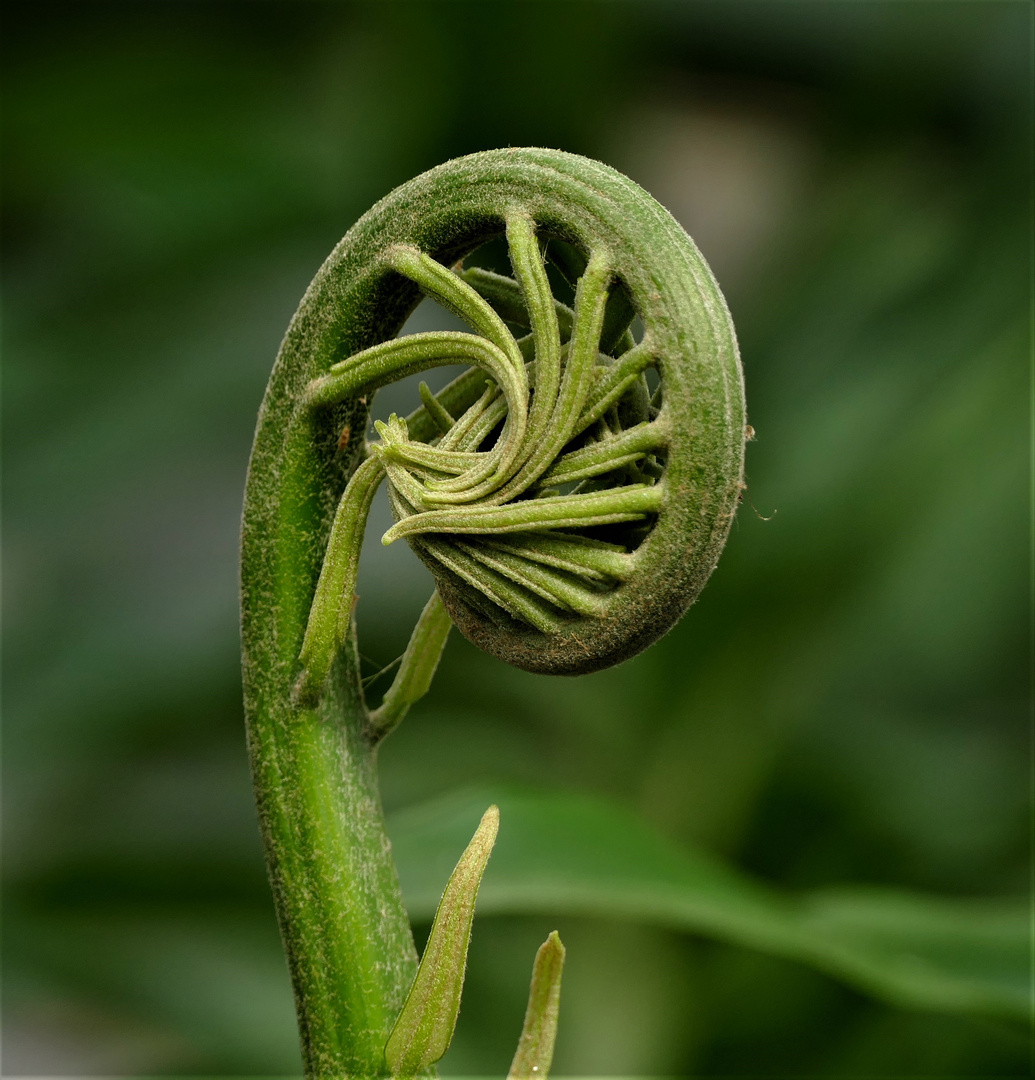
(570, 493)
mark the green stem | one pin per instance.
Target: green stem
(345, 931)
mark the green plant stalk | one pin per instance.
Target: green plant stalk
(311, 737)
(345, 931)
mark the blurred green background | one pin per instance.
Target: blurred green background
(847, 704)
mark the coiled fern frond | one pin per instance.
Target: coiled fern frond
(572, 489)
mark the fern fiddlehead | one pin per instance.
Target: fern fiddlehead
(570, 492)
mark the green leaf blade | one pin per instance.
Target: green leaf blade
(573, 855)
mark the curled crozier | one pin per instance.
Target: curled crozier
(571, 491)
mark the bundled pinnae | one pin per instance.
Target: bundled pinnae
(531, 484)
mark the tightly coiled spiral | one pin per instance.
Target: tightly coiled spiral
(572, 490)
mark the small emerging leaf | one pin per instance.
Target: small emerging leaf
(535, 1047)
(425, 1026)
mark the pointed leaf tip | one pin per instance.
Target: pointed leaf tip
(424, 1029)
(535, 1047)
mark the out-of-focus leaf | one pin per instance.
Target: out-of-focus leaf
(569, 854)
